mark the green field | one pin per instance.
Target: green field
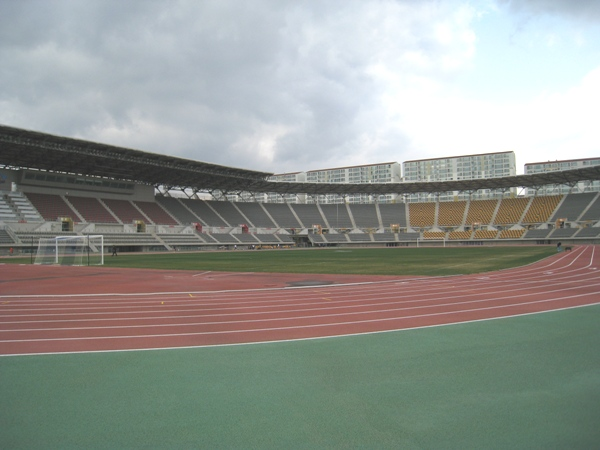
(432, 261)
(365, 261)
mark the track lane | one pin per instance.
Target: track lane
(103, 322)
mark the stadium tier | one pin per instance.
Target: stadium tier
(393, 214)
(337, 216)
(282, 215)
(50, 206)
(451, 214)
(422, 215)
(168, 223)
(308, 215)
(125, 210)
(574, 206)
(365, 216)
(155, 213)
(206, 215)
(91, 209)
(256, 215)
(511, 210)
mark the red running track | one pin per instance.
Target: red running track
(271, 308)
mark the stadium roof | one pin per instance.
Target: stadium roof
(24, 149)
(32, 150)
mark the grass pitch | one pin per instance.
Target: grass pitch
(343, 260)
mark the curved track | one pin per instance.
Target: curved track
(90, 320)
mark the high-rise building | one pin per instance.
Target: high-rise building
(570, 164)
(389, 172)
(456, 168)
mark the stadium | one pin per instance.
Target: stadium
(56, 186)
(117, 357)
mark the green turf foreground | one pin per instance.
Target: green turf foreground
(526, 382)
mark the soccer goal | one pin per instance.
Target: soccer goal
(431, 242)
(71, 250)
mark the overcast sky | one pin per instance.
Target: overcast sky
(290, 85)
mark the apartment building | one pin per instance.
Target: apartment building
(569, 164)
(455, 168)
(388, 172)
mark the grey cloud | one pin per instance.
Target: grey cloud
(200, 79)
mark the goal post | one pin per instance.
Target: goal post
(71, 250)
(432, 241)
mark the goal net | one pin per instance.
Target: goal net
(71, 250)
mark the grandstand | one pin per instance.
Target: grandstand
(170, 224)
(47, 193)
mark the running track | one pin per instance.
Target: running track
(95, 320)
